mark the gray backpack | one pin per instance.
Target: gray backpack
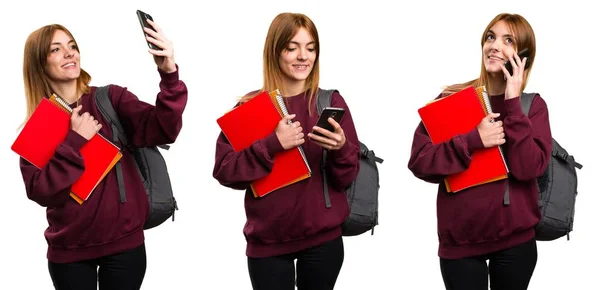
(557, 189)
(150, 163)
(363, 193)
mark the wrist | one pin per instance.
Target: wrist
(168, 67)
(511, 94)
(343, 142)
(473, 140)
(273, 144)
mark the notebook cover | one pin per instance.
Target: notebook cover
(48, 123)
(46, 129)
(254, 120)
(99, 157)
(458, 114)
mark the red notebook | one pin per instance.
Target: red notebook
(255, 120)
(456, 114)
(46, 129)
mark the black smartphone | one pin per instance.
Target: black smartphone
(329, 112)
(142, 16)
(523, 53)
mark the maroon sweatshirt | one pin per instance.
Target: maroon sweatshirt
(292, 218)
(103, 225)
(475, 221)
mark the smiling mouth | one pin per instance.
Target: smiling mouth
(495, 58)
(70, 64)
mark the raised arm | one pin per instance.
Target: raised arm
(148, 125)
(343, 164)
(528, 138)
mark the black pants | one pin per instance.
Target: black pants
(122, 271)
(508, 269)
(317, 268)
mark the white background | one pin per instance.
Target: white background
(386, 60)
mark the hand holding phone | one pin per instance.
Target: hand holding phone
(144, 23)
(329, 112)
(522, 54)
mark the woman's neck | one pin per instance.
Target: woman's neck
(496, 84)
(67, 91)
(293, 88)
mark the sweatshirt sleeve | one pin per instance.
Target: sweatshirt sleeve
(343, 164)
(148, 125)
(528, 138)
(433, 162)
(50, 186)
(238, 169)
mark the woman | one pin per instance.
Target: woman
(100, 242)
(293, 222)
(477, 224)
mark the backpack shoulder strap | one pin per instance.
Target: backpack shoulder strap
(526, 100)
(105, 107)
(324, 99)
(107, 110)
